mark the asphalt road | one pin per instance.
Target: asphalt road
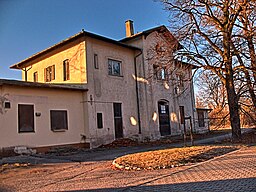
(91, 171)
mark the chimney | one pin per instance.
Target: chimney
(129, 28)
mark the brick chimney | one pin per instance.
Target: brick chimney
(129, 28)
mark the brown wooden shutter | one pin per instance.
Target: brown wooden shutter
(67, 68)
(53, 72)
(45, 78)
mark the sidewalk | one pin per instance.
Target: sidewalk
(234, 172)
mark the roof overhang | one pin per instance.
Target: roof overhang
(73, 86)
(26, 62)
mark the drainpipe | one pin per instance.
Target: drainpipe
(26, 72)
(137, 91)
(193, 102)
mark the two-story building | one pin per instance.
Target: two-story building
(89, 89)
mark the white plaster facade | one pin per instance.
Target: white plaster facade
(136, 89)
(43, 99)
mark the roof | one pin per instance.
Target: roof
(204, 109)
(185, 63)
(79, 87)
(160, 28)
(83, 33)
(146, 32)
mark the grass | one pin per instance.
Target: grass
(168, 158)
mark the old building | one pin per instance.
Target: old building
(128, 88)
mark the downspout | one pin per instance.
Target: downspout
(26, 72)
(193, 102)
(137, 91)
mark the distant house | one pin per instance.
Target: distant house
(202, 121)
(91, 90)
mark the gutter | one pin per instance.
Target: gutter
(137, 91)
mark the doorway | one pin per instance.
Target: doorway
(164, 118)
(118, 120)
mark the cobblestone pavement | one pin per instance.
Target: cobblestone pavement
(235, 172)
(232, 172)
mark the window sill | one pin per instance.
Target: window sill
(26, 131)
(116, 76)
(59, 130)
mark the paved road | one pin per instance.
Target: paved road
(233, 172)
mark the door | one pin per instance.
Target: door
(164, 118)
(118, 120)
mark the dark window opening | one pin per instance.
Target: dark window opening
(49, 73)
(201, 118)
(182, 115)
(7, 104)
(118, 120)
(114, 67)
(25, 118)
(35, 77)
(59, 120)
(96, 64)
(66, 70)
(99, 120)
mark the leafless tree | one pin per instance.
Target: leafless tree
(207, 30)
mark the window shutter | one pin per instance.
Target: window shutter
(53, 72)
(67, 69)
(45, 74)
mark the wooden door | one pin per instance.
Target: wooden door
(164, 118)
(118, 120)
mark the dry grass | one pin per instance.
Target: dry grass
(169, 158)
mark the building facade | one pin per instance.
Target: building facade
(131, 88)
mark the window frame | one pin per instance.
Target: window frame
(53, 123)
(100, 123)
(96, 61)
(111, 70)
(160, 72)
(35, 76)
(49, 73)
(201, 118)
(21, 112)
(66, 70)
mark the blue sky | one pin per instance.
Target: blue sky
(29, 26)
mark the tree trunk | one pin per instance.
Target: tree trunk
(233, 109)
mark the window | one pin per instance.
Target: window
(99, 120)
(25, 118)
(35, 76)
(96, 64)
(160, 73)
(114, 67)
(49, 73)
(201, 118)
(66, 70)
(162, 109)
(180, 80)
(59, 120)
(182, 115)
(7, 104)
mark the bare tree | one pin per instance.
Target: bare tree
(207, 29)
(212, 94)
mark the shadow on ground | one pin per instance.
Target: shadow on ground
(230, 185)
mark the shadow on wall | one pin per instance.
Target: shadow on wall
(234, 185)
